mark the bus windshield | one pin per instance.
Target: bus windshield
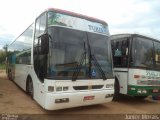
(142, 53)
(69, 48)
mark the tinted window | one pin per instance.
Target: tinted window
(67, 48)
(157, 54)
(24, 58)
(40, 60)
(142, 52)
(69, 52)
(100, 48)
(40, 25)
(21, 46)
(120, 49)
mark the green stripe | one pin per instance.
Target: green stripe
(134, 90)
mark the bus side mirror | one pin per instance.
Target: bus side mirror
(44, 44)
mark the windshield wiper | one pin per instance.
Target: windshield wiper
(92, 57)
(79, 66)
(99, 67)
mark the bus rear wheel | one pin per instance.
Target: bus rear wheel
(30, 87)
(10, 75)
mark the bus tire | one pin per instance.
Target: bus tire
(29, 87)
(10, 75)
(116, 95)
(141, 97)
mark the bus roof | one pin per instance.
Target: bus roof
(130, 35)
(76, 15)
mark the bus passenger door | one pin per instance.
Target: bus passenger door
(120, 50)
(122, 76)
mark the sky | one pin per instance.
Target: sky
(122, 16)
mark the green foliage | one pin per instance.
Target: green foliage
(2, 57)
(2, 66)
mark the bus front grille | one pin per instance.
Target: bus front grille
(88, 87)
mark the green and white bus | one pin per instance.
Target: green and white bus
(136, 60)
(63, 60)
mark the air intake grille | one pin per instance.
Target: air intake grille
(88, 87)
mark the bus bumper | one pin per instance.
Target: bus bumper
(143, 90)
(57, 101)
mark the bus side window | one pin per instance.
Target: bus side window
(157, 54)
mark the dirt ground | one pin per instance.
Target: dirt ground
(14, 100)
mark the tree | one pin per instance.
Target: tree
(5, 48)
(2, 56)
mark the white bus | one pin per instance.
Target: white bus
(136, 60)
(63, 60)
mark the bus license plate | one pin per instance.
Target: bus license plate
(155, 91)
(88, 98)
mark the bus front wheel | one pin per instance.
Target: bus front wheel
(116, 91)
(30, 87)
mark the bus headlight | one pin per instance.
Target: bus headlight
(141, 91)
(144, 91)
(109, 85)
(64, 88)
(58, 89)
(51, 88)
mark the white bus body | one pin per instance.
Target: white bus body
(62, 61)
